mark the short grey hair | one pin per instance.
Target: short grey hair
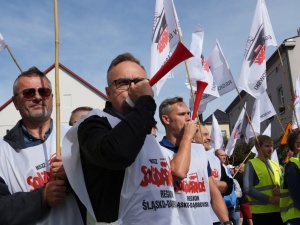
(31, 72)
(166, 106)
(123, 58)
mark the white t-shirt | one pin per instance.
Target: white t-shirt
(193, 192)
(147, 195)
(29, 169)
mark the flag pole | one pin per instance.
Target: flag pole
(255, 136)
(190, 83)
(185, 62)
(288, 86)
(12, 56)
(57, 93)
(188, 72)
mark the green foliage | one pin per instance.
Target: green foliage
(241, 151)
(282, 150)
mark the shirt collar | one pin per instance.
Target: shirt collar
(30, 140)
(120, 115)
(169, 145)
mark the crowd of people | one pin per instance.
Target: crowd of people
(122, 174)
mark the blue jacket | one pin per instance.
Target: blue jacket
(230, 199)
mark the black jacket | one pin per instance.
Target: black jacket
(106, 152)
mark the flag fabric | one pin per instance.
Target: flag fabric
(195, 64)
(216, 135)
(211, 88)
(253, 74)
(164, 38)
(2, 43)
(220, 70)
(296, 106)
(266, 107)
(262, 109)
(266, 132)
(274, 156)
(199, 68)
(236, 132)
(201, 109)
(173, 23)
(255, 121)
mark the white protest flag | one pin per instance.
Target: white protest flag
(222, 75)
(173, 23)
(296, 105)
(221, 71)
(164, 38)
(211, 88)
(195, 64)
(266, 132)
(262, 109)
(266, 107)
(253, 74)
(2, 43)
(274, 156)
(199, 69)
(236, 132)
(255, 121)
(216, 134)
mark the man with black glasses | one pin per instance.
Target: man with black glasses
(115, 144)
(32, 179)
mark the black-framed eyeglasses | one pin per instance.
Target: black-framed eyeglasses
(124, 83)
(29, 93)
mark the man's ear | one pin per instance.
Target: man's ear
(165, 119)
(107, 92)
(15, 101)
(193, 140)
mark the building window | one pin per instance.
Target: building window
(224, 134)
(280, 94)
(270, 97)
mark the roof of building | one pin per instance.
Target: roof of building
(74, 75)
(221, 116)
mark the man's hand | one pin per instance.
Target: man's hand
(274, 200)
(55, 192)
(58, 171)
(190, 129)
(141, 88)
(276, 192)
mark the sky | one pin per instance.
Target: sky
(93, 32)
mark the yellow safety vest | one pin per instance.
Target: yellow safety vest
(287, 208)
(265, 185)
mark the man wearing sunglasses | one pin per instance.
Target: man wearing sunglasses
(33, 186)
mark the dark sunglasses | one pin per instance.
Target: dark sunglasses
(29, 93)
(124, 83)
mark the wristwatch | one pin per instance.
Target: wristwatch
(227, 223)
